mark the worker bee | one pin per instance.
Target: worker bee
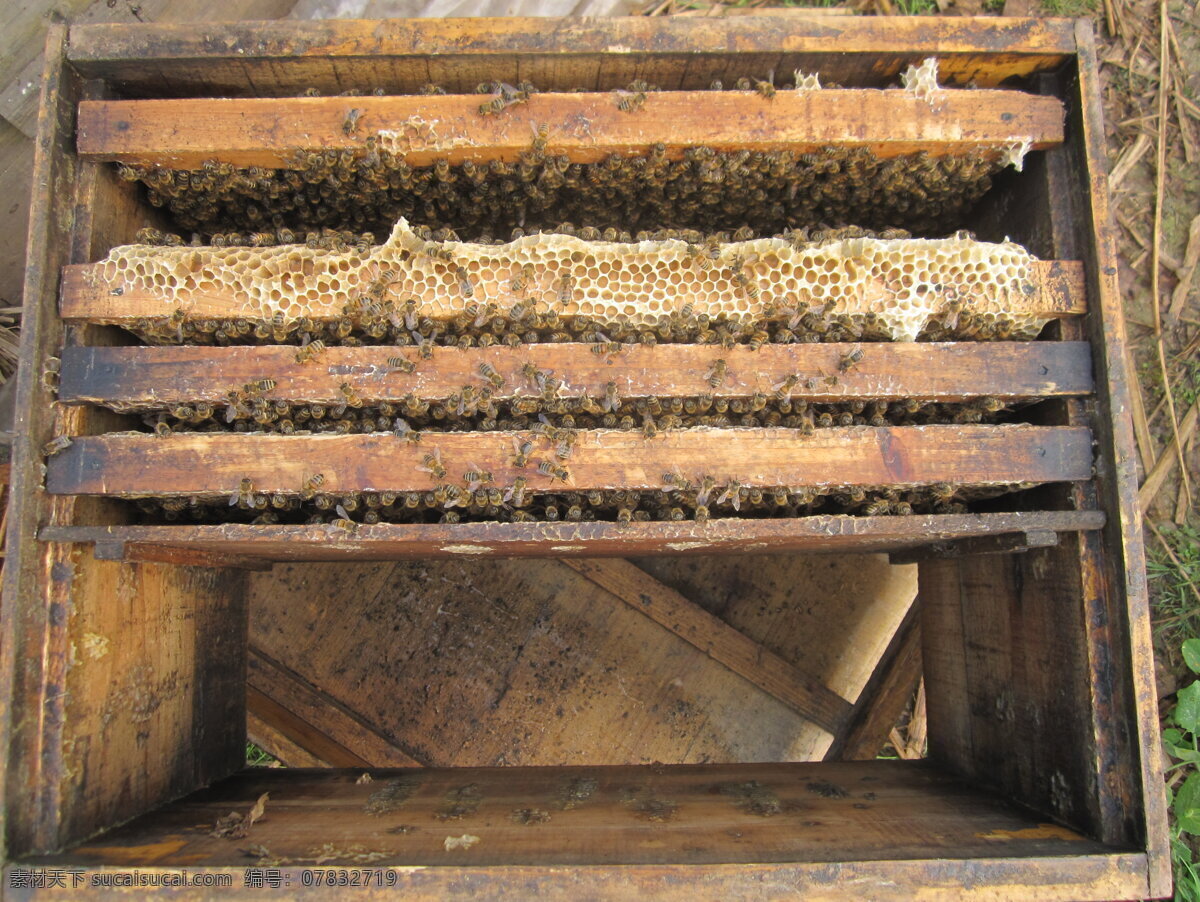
(402, 429)
(488, 372)
(566, 289)
(399, 364)
(766, 86)
(425, 348)
(519, 283)
(541, 134)
(56, 445)
(553, 470)
(537, 378)
(515, 493)
(732, 495)
(350, 123)
(850, 359)
(717, 373)
(700, 256)
(649, 427)
(352, 398)
(630, 102)
(432, 463)
(475, 478)
(783, 389)
(244, 496)
(343, 521)
(612, 401)
(465, 285)
(748, 285)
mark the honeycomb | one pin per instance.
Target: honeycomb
(905, 284)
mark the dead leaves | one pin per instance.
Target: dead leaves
(236, 825)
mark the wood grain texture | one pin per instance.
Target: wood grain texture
(821, 533)
(207, 464)
(88, 297)
(585, 128)
(152, 700)
(284, 700)
(650, 815)
(271, 59)
(1125, 601)
(1060, 878)
(163, 376)
(742, 655)
(472, 662)
(33, 636)
(884, 698)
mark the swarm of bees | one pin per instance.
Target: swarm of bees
(338, 200)
(369, 188)
(476, 498)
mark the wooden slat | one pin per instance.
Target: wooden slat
(163, 376)
(717, 639)
(879, 707)
(87, 296)
(267, 59)
(130, 464)
(284, 700)
(435, 540)
(652, 814)
(584, 127)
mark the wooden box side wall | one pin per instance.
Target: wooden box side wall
(125, 681)
(1072, 620)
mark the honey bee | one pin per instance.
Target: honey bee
(553, 470)
(766, 86)
(475, 478)
(350, 123)
(352, 398)
(717, 373)
(244, 496)
(515, 493)
(309, 490)
(488, 372)
(732, 495)
(432, 463)
(630, 102)
(541, 134)
(612, 401)
(783, 389)
(56, 445)
(343, 521)
(566, 289)
(850, 359)
(519, 283)
(400, 364)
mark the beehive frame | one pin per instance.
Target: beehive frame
(1106, 638)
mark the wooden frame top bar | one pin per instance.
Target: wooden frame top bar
(161, 376)
(392, 541)
(213, 464)
(586, 128)
(277, 58)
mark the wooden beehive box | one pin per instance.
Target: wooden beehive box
(1043, 776)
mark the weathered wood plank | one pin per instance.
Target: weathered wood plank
(1058, 878)
(163, 376)
(717, 639)
(436, 540)
(86, 296)
(269, 59)
(281, 698)
(586, 128)
(656, 814)
(883, 699)
(207, 464)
